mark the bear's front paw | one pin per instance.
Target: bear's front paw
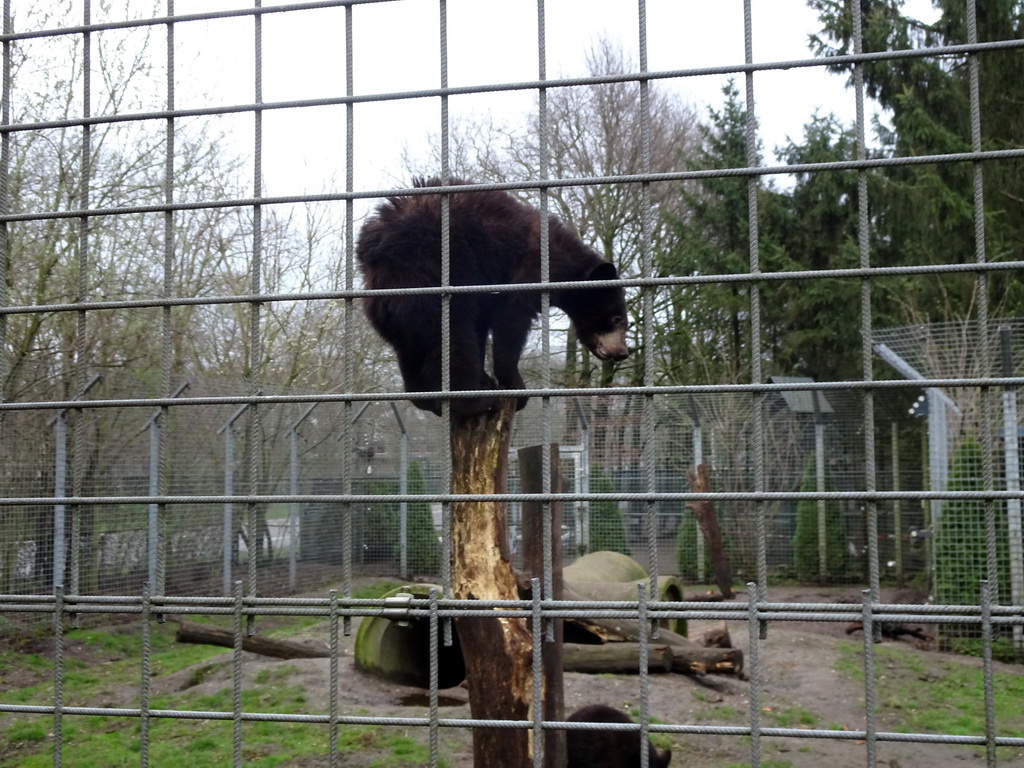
(474, 406)
(434, 406)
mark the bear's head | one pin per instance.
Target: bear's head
(599, 315)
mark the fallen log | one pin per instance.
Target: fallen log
(891, 630)
(204, 634)
(707, 661)
(624, 658)
(707, 597)
(716, 637)
(616, 658)
(688, 656)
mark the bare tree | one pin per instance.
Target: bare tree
(45, 356)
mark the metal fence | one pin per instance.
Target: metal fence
(398, 451)
(136, 487)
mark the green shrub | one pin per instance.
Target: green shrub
(424, 556)
(961, 556)
(686, 547)
(806, 556)
(607, 532)
(380, 523)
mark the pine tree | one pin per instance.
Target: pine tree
(607, 532)
(925, 213)
(806, 547)
(961, 555)
(424, 558)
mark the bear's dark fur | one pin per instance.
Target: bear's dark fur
(494, 240)
(608, 749)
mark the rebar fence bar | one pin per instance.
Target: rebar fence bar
(196, 419)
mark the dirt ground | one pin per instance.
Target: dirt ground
(799, 682)
(801, 688)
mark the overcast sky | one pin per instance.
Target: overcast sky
(489, 41)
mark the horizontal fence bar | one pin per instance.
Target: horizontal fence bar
(724, 730)
(418, 608)
(510, 87)
(453, 290)
(523, 497)
(567, 392)
(183, 18)
(745, 172)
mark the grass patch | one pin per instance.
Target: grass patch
(208, 744)
(791, 717)
(922, 693)
(111, 742)
(108, 665)
(274, 674)
(729, 713)
(376, 589)
(26, 730)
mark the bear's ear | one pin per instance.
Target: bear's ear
(603, 271)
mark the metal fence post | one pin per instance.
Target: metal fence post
(229, 488)
(897, 507)
(60, 483)
(1011, 459)
(153, 542)
(293, 489)
(403, 489)
(821, 486)
(60, 474)
(583, 508)
(698, 459)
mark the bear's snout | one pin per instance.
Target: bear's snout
(610, 346)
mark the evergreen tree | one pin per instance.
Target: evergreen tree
(705, 335)
(811, 327)
(961, 555)
(686, 547)
(607, 532)
(424, 558)
(380, 523)
(806, 548)
(926, 212)
(806, 325)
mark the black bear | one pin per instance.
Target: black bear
(494, 241)
(608, 749)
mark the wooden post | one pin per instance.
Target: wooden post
(704, 511)
(497, 652)
(531, 474)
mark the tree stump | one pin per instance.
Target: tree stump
(497, 652)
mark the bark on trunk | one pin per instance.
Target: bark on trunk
(497, 652)
(704, 511)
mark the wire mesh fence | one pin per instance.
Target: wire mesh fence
(195, 418)
(396, 452)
